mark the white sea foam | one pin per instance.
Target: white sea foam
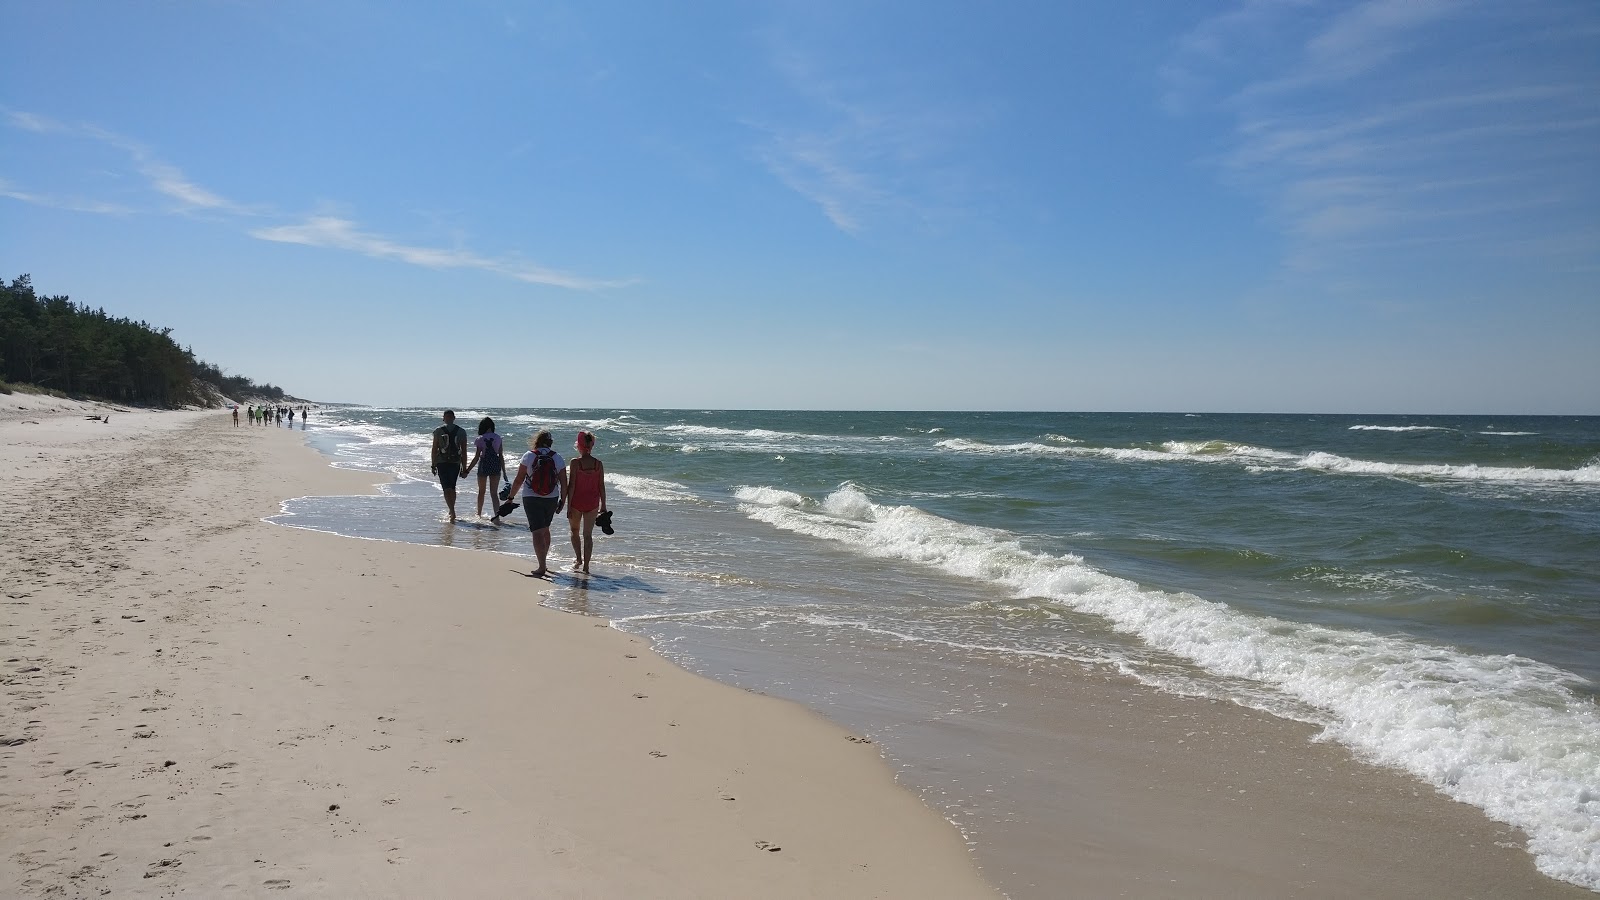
(1501, 732)
(767, 496)
(1062, 439)
(1399, 428)
(762, 439)
(1328, 462)
(560, 422)
(760, 434)
(964, 445)
(641, 488)
(1267, 459)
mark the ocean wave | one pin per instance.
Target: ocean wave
(1203, 451)
(641, 488)
(1062, 439)
(1267, 459)
(1503, 733)
(768, 436)
(1328, 462)
(768, 496)
(558, 422)
(1399, 428)
(1511, 433)
(964, 445)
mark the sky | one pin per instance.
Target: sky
(1387, 206)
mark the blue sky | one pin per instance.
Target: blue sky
(1376, 206)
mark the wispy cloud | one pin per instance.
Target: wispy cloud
(342, 234)
(162, 177)
(860, 151)
(73, 204)
(169, 181)
(1402, 122)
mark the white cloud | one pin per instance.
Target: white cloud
(860, 151)
(162, 177)
(342, 234)
(1403, 123)
(317, 231)
(72, 204)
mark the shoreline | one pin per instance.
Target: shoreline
(203, 702)
(1106, 780)
(1133, 792)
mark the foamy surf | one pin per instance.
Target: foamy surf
(1501, 732)
(1265, 458)
(1399, 428)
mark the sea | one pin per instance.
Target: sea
(1422, 589)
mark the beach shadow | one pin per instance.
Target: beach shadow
(597, 583)
(607, 585)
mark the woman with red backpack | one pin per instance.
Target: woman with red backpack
(542, 476)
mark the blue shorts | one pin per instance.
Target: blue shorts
(448, 473)
(541, 511)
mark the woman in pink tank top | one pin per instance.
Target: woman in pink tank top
(588, 499)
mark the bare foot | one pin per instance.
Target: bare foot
(540, 573)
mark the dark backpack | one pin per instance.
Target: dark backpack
(542, 480)
(450, 453)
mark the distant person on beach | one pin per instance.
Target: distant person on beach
(489, 450)
(236, 415)
(291, 417)
(542, 476)
(449, 451)
(587, 476)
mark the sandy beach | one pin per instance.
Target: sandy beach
(199, 703)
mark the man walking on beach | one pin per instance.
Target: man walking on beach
(449, 450)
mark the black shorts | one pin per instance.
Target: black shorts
(448, 473)
(541, 511)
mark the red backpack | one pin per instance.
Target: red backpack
(542, 479)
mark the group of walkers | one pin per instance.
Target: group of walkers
(546, 482)
(274, 415)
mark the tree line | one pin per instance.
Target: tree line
(53, 343)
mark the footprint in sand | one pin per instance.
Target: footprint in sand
(276, 884)
(768, 846)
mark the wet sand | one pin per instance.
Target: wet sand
(197, 702)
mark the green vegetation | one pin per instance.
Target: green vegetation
(59, 345)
